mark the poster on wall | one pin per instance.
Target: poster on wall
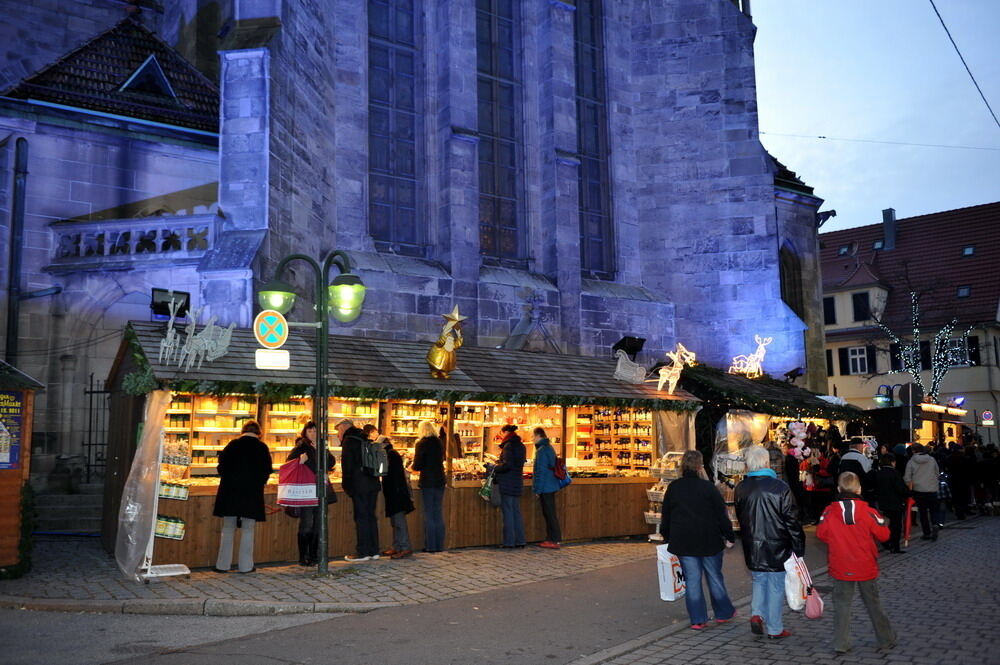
(11, 415)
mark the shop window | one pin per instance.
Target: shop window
(394, 219)
(858, 359)
(596, 230)
(862, 309)
(499, 120)
(964, 291)
(791, 281)
(829, 311)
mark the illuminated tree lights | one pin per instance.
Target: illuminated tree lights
(909, 350)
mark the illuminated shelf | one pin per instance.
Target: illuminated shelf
(176, 430)
(183, 411)
(218, 430)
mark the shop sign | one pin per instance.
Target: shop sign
(271, 329)
(988, 419)
(11, 419)
(272, 359)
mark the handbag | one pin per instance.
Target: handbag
(814, 601)
(486, 489)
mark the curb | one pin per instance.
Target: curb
(189, 606)
(643, 640)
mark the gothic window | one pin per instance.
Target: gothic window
(393, 127)
(791, 281)
(499, 135)
(596, 231)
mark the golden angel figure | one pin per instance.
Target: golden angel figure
(443, 356)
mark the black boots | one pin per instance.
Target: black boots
(313, 549)
(305, 545)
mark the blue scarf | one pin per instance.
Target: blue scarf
(763, 472)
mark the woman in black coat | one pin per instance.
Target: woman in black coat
(428, 461)
(892, 494)
(509, 475)
(244, 467)
(695, 525)
(398, 499)
(305, 452)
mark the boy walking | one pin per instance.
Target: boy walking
(849, 527)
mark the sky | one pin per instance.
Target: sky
(881, 70)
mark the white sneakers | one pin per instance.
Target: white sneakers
(356, 559)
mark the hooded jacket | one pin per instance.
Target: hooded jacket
(849, 527)
(766, 512)
(922, 470)
(543, 475)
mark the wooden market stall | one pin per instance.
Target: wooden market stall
(611, 433)
(17, 397)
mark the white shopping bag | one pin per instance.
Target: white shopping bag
(668, 568)
(797, 582)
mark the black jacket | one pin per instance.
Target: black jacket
(792, 465)
(428, 459)
(890, 490)
(244, 467)
(694, 520)
(852, 464)
(355, 480)
(395, 487)
(509, 472)
(770, 531)
(306, 446)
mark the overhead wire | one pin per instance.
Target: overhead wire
(76, 346)
(962, 58)
(902, 143)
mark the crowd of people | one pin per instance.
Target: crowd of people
(371, 466)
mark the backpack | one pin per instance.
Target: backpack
(374, 461)
(560, 472)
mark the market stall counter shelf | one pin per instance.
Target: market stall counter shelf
(667, 469)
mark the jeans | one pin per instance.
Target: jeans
(843, 592)
(513, 523)
(553, 533)
(711, 567)
(365, 522)
(400, 532)
(225, 558)
(433, 518)
(927, 505)
(768, 599)
(895, 518)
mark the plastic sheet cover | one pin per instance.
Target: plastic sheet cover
(734, 434)
(675, 432)
(137, 513)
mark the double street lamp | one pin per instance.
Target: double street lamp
(342, 298)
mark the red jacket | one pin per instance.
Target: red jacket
(849, 526)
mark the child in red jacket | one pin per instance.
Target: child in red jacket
(849, 526)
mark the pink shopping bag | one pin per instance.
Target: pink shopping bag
(296, 485)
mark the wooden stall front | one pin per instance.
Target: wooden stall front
(17, 394)
(606, 430)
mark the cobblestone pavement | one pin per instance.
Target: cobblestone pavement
(80, 570)
(941, 598)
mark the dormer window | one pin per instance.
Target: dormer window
(878, 244)
(844, 250)
(964, 291)
(968, 250)
(149, 79)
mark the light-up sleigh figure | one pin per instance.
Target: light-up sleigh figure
(751, 366)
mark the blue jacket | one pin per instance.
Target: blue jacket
(509, 472)
(543, 476)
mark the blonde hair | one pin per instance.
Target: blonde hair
(849, 482)
(426, 428)
(757, 458)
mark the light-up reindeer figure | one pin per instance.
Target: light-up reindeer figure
(671, 374)
(751, 366)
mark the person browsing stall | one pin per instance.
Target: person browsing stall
(396, 494)
(305, 452)
(509, 474)
(545, 485)
(362, 487)
(244, 467)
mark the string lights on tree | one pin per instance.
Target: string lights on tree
(909, 350)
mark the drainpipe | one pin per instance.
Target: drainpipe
(16, 247)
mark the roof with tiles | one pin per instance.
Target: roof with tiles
(929, 257)
(93, 77)
(359, 363)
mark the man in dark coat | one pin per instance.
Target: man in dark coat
(362, 487)
(244, 467)
(771, 534)
(892, 494)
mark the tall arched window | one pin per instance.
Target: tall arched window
(596, 231)
(393, 127)
(792, 291)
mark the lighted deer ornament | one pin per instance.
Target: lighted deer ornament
(751, 366)
(671, 374)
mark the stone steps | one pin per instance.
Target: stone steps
(79, 513)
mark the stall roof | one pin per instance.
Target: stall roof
(11, 378)
(762, 395)
(380, 368)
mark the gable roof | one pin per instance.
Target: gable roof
(362, 367)
(928, 257)
(11, 378)
(92, 75)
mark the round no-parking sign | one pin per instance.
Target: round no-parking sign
(987, 418)
(271, 329)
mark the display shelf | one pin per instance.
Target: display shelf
(219, 430)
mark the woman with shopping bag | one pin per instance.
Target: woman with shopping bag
(304, 453)
(696, 528)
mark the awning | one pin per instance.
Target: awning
(761, 395)
(396, 369)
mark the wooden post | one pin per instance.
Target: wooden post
(565, 440)
(449, 431)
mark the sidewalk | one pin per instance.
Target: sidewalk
(939, 596)
(77, 575)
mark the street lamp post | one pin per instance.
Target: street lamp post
(344, 296)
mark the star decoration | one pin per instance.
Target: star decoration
(453, 319)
